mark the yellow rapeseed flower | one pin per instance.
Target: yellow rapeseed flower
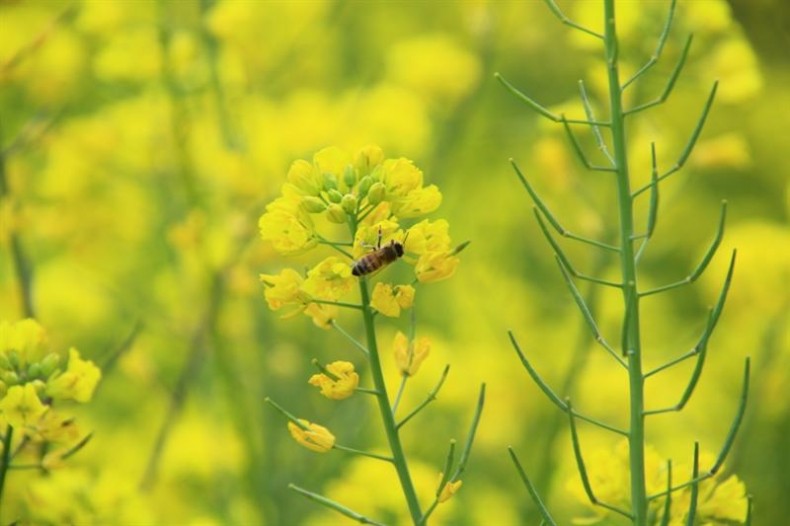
(21, 406)
(26, 337)
(322, 315)
(315, 438)
(330, 279)
(78, 381)
(727, 502)
(449, 489)
(54, 427)
(436, 266)
(304, 178)
(284, 289)
(342, 386)
(429, 236)
(410, 355)
(400, 177)
(417, 202)
(287, 226)
(389, 300)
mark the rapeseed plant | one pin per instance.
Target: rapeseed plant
(374, 200)
(33, 380)
(633, 483)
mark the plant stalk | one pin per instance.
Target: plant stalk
(6, 460)
(631, 336)
(387, 416)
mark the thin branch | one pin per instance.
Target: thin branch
(689, 145)
(362, 453)
(544, 512)
(542, 109)
(668, 502)
(331, 504)
(673, 77)
(736, 423)
(568, 22)
(564, 259)
(652, 211)
(552, 395)
(727, 442)
(692, 512)
(342, 304)
(577, 147)
(703, 264)
(659, 48)
(713, 318)
(550, 217)
(470, 437)
(596, 130)
(430, 398)
(702, 345)
(585, 310)
(350, 338)
(577, 453)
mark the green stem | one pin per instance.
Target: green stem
(387, 416)
(631, 336)
(5, 463)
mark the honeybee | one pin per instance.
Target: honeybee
(379, 258)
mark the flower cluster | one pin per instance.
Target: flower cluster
(719, 501)
(32, 378)
(374, 198)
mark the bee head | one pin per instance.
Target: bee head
(398, 248)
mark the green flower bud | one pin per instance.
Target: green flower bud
(335, 196)
(349, 204)
(349, 176)
(3, 389)
(4, 363)
(9, 377)
(330, 182)
(336, 214)
(313, 205)
(49, 364)
(364, 185)
(34, 370)
(14, 359)
(376, 193)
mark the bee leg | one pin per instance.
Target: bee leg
(378, 243)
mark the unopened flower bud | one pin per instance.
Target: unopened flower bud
(349, 176)
(34, 370)
(330, 182)
(364, 185)
(313, 205)
(49, 364)
(376, 193)
(335, 196)
(336, 214)
(349, 204)
(14, 359)
(9, 377)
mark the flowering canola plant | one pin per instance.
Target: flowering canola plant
(370, 212)
(32, 380)
(371, 196)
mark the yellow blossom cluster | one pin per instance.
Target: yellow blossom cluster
(720, 501)
(373, 198)
(32, 379)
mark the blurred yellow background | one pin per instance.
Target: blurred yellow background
(143, 139)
